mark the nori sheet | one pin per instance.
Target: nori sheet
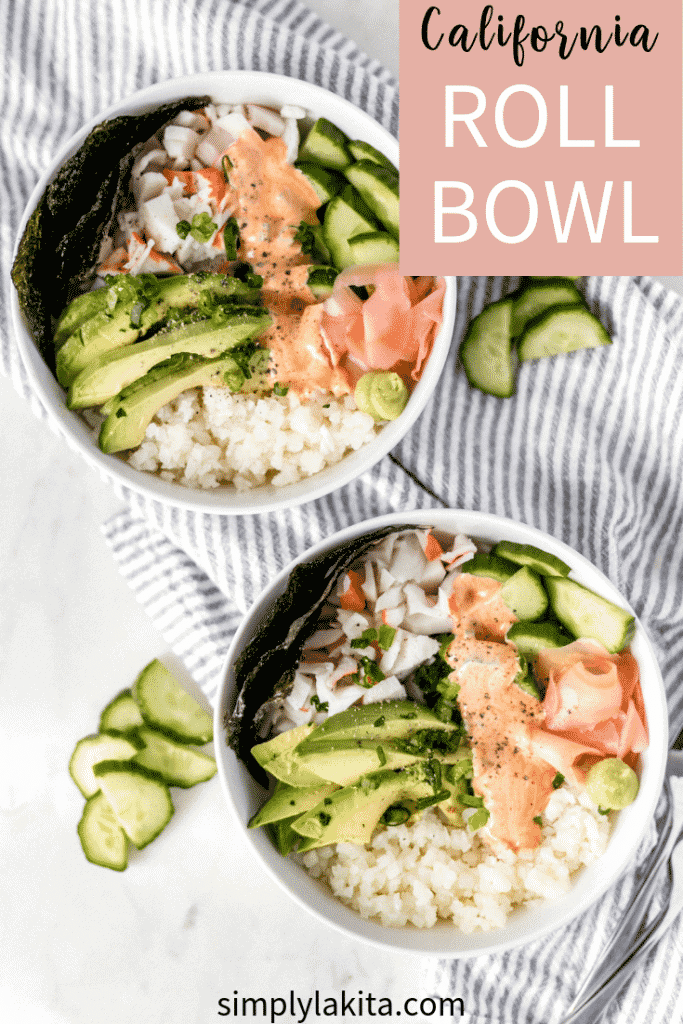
(265, 670)
(61, 244)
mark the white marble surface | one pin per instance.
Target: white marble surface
(193, 919)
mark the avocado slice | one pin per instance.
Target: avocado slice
(351, 814)
(346, 760)
(81, 309)
(290, 801)
(276, 756)
(112, 371)
(381, 722)
(137, 304)
(129, 414)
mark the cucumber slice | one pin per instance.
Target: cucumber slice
(540, 561)
(341, 222)
(364, 151)
(534, 299)
(486, 351)
(103, 840)
(139, 799)
(491, 566)
(321, 281)
(530, 638)
(560, 330)
(326, 183)
(374, 247)
(527, 683)
(378, 186)
(353, 197)
(588, 615)
(121, 714)
(92, 749)
(327, 145)
(525, 595)
(177, 764)
(166, 706)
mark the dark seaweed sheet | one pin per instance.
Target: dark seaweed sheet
(61, 244)
(265, 669)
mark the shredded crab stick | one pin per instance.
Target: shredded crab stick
(593, 708)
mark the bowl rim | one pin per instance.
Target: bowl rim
(602, 874)
(225, 499)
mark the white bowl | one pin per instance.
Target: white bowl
(244, 796)
(237, 87)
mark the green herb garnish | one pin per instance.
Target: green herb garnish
(478, 819)
(319, 704)
(539, 820)
(231, 238)
(558, 780)
(202, 227)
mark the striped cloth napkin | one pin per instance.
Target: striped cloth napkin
(590, 449)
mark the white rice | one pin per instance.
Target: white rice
(210, 436)
(425, 871)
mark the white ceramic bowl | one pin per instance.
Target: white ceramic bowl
(244, 796)
(236, 87)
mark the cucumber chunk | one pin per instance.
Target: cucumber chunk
(525, 595)
(325, 182)
(530, 638)
(588, 615)
(92, 749)
(103, 840)
(378, 186)
(486, 351)
(327, 145)
(534, 299)
(177, 764)
(491, 566)
(526, 682)
(562, 329)
(321, 281)
(540, 561)
(342, 222)
(374, 247)
(138, 797)
(121, 714)
(166, 706)
(364, 151)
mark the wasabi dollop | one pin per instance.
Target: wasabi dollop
(382, 394)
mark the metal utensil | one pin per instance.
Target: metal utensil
(635, 936)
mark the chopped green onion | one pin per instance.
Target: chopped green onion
(429, 801)
(386, 637)
(183, 228)
(397, 814)
(478, 819)
(379, 722)
(202, 227)
(367, 637)
(604, 810)
(280, 390)
(558, 780)
(382, 757)
(471, 801)
(539, 820)
(231, 238)
(318, 704)
(226, 164)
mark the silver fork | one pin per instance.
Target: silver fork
(633, 939)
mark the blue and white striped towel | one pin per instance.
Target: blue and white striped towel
(590, 449)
